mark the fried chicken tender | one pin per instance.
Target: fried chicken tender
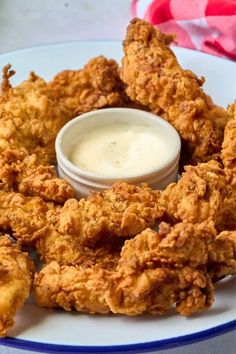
(90, 290)
(15, 282)
(22, 173)
(155, 79)
(228, 156)
(156, 271)
(198, 195)
(23, 216)
(66, 249)
(34, 223)
(97, 85)
(227, 217)
(72, 287)
(222, 256)
(185, 243)
(123, 211)
(81, 232)
(30, 117)
(228, 152)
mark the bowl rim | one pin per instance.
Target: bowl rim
(153, 118)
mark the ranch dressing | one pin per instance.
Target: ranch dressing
(120, 149)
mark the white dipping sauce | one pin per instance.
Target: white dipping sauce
(120, 150)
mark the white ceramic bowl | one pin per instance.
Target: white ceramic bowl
(84, 181)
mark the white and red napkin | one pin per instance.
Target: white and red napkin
(206, 25)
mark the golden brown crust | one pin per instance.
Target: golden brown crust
(155, 79)
(22, 173)
(30, 118)
(15, 282)
(198, 195)
(123, 211)
(97, 85)
(179, 260)
(228, 152)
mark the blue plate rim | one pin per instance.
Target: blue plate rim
(126, 348)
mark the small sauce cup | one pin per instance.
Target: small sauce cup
(84, 181)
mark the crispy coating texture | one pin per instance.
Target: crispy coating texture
(227, 219)
(155, 79)
(22, 173)
(23, 216)
(156, 271)
(123, 211)
(15, 282)
(198, 195)
(30, 117)
(66, 249)
(228, 152)
(193, 245)
(36, 223)
(222, 256)
(95, 290)
(99, 221)
(97, 85)
(71, 287)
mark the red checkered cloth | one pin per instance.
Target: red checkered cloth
(206, 25)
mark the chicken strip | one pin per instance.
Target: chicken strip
(30, 117)
(35, 223)
(228, 156)
(24, 216)
(97, 85)
(194, 245)
(173, 266)
(15, 282)
(198, 195)
(66, 249)
(155, 79)
(228, 152)
(60, 235)
(123, 211)
(156, 271)
(72, 287)
(90, 290)
(22, 173)
(222, 256)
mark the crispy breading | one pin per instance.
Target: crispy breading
(22, 173)
(66, 249)
(156, 271)
(155, 79)
(231, 109)
(123, 211)
(227, 219)
(95, 290)
(15, 282)
(222, 255)
(193, 245)
(70, 287)
(228, 152)
(35, 223)
(24, 216)
(97, 85)
(198, 195)
(30, 117)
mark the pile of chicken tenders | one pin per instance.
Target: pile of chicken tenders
(128, 250)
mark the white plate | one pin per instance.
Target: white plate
(57, 331)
